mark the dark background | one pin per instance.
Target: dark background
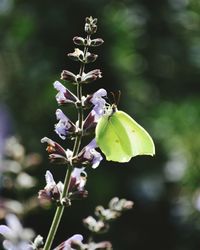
(152, 54)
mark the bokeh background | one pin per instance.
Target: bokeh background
(152, 54)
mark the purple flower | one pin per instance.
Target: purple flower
(80, 177)
(77, 184)
(89, 156)
(16, 237)
(64, 95)
(52, 191)
(91, 153)
(98, 110)
(57, 153)
(64, 127)
(99, 102)
(75, 240)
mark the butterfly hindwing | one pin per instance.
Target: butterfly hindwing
(141, 141)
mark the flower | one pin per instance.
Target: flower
(95, 226)
(77, 184)
(64, 127)
(73, 241)
(120, 205)
(16, 237)
(79, 178)
(57, 153)
(52, 191)
(64, 95)
(98, 101)
(90, 57)
(89, 156)
(99, 106)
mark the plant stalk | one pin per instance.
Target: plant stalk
(60, 209)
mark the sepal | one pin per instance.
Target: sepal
(90, 25)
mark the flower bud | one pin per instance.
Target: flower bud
(95, 226)
(57, 153)
(77, 55)
(91, 76)
(90, 25)
(68, 76)
(90, 57)
(38, 242)
(120, 205)
(96, 42)
(104, 245)
(79, 40)
(106, 214)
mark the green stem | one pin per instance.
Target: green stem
(59, 212)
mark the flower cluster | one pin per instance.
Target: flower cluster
(115, 208)
(53, 191)
(90, 109)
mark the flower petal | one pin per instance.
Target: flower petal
(66, 245)
(14, 224)
(49, 178)
(6, 231)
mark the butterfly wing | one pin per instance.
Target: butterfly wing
(141, 142)
(112, 139)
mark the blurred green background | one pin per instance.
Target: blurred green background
(152, 54)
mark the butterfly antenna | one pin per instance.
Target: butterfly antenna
(113, 97)
(118, 97)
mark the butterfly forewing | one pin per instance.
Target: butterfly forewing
(108, 136)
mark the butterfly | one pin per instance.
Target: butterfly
(120, 137)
